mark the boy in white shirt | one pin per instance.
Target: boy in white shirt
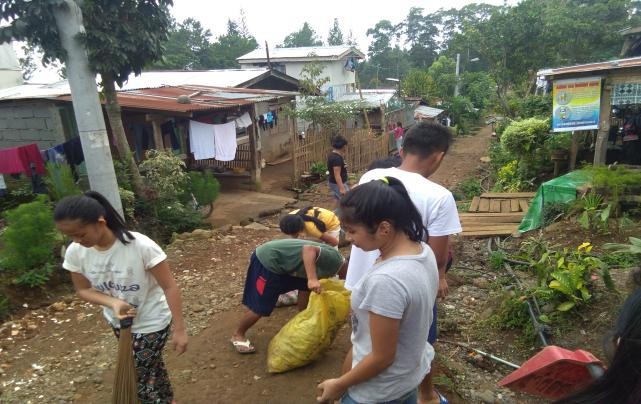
(424, 147)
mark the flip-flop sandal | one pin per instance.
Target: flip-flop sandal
(243, 347)
(441, 398)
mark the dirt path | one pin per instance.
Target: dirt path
(66, 353)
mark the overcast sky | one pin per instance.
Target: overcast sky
(272, 21)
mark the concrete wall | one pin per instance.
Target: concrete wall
(30, 122)
(275, 142)
(341, 80)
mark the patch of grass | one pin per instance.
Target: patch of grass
(469, 188)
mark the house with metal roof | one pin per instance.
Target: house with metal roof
(600, 103)
(339, 64)
(159, 118)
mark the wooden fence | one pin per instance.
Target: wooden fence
(242, 160)
(363, 148)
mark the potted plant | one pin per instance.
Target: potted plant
(318, 170)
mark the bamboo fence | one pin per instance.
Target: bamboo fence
(363, 148)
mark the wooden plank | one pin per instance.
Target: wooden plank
(490, 221)
(487, 214)
(495, 205)
(514, 205)
(507, 195)
(484, 205)
(474, 206)
(524, 205)
(505, 206)
(489, 233)
(495, 226)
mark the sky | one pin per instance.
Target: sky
(272, 21)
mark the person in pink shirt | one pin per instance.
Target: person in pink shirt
(398, 135)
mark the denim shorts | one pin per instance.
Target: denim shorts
(409, 398)
(334, 188)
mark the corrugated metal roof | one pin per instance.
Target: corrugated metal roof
(31, 91)
(374, 98)
(427, 112)
(213, 78)
(592, 67)
(293, 54)
(203, 98)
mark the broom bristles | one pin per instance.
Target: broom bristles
(125, 380)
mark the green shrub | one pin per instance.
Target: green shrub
(319, 168)
(128, 199)
(469, 188)
(203, 186)
(29, 242)
(522, 138)
(534, 106)
(164, 174)
(60, 182)
(559, 141)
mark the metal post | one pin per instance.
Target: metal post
(458, 64)
(86, 105)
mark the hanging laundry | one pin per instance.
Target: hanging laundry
(73, 151)
(17, 160)
(225, 141)
(244, 121)
(269, 119)
(261, 121)
(55, 154)
(201, 140)
(275, 115)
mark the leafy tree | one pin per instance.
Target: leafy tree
(381, 34)
(316, 109)
(236, 42)
(443, 72)
(122, 36)
(335, 35)
(27, 62)
(479, 88)
(306, 36)
(350, 39)
(421, 32)
(186, 48)
(418, 83)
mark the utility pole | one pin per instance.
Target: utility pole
(458, 63)
(86, 104)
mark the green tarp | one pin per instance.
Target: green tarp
(561, 189)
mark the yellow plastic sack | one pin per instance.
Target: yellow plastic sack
(306, 336)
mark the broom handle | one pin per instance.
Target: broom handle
(495, 358)
(126, 322)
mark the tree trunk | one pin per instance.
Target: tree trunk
(115, 122)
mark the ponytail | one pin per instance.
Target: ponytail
(89, 208)
(322, 227)
(382, 200)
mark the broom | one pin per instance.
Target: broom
(125, 381)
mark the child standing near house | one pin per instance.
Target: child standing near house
(311, 221)
(337, 180)
(398, 135)
(393, 301)
(126, 273)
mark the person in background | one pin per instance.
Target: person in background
(277, 267)
(337, 168)
(424, 148)
(398, 135)
(128, 274)
(392, 302)
(621, 382)
(319, 223)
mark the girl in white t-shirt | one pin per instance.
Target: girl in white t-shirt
(392, 303)
(126, 273)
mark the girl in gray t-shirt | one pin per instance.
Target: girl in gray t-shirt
(393, 301)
